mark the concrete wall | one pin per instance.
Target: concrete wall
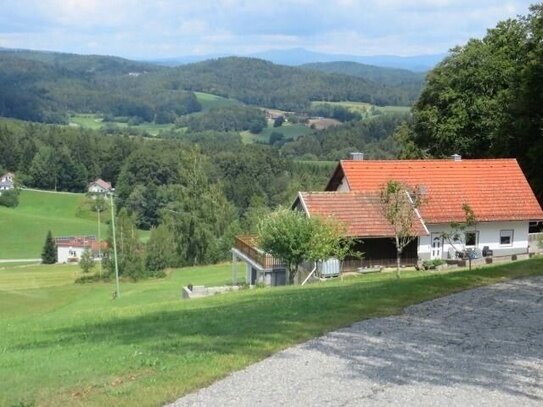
(66, 253)
(488, 235)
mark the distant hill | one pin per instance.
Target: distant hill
(300, 56)
(409, 80)
(48, 87)
(262, 83)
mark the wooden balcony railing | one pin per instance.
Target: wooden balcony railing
(248, 246)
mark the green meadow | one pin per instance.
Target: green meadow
(72, 344)
(23, 228)
(365, 108)
(209, 101)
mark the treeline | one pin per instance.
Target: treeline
(486, 100)
(225, 119)
(46, 87)
(410, 82)
(374, 137)
(210, 186)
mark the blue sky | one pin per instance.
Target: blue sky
(169, 28)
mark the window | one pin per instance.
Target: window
(506, 237)
(471, 238)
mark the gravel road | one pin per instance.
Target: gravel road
(482, 347)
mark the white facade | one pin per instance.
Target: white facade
(503, 238)
(72, 254)
(97, 189)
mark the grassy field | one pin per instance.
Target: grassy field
(365, 108)
(95, 122)
(40, 211)
(209, 101)
(66, 344)
(24, 227)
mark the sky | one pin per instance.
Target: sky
(148, 29)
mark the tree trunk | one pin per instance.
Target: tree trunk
(398, 263)
(398, 257)
(292, 271)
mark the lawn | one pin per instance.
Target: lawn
(66, 344)
(24, 227)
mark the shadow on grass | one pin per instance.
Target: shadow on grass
(258, 323)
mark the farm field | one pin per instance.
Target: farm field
(209, 101)
(71, 344)
(365, 109)
(95, 122)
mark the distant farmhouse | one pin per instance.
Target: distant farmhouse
(100, 186)
(70, 248)
(7, 182)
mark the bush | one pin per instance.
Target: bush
(9, 198)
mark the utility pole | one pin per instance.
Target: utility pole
(99, 240)
(114, 245)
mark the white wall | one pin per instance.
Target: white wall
(344, 186)
(65, 253)
(489, 235)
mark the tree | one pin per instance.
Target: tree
(398, 205)
(456, 237)
(160, 249)
(294, 238)
(87, 261)
(49, 252)
(9, 198)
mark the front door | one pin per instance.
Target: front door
(436, 246)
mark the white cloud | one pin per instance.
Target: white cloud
(164, 28)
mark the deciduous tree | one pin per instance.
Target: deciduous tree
(398, 205)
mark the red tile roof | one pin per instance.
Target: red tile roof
(101, 183)
(80, 241)
(361, 212)
(496, 189)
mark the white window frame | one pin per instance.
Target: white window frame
(504, 233)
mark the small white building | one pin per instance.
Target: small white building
(99, 186)
(7, 181)
(71, 248)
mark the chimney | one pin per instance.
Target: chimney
(456, 157)
(357, 156)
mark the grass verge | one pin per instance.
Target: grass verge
(66, 344)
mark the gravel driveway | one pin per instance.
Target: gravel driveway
(482, 347)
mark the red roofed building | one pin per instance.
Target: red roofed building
(70, 248)
(99, 186)
(496, 190)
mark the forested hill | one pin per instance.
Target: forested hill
(259, 82)
(46, 86)
(409, 81)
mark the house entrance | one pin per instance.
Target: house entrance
(436, 246)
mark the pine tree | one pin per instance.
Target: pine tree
(49, 253)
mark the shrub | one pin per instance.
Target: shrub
(9, 198)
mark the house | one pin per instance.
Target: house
(496, 190)
(99, 186)
(7, 181)
(70, 248)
